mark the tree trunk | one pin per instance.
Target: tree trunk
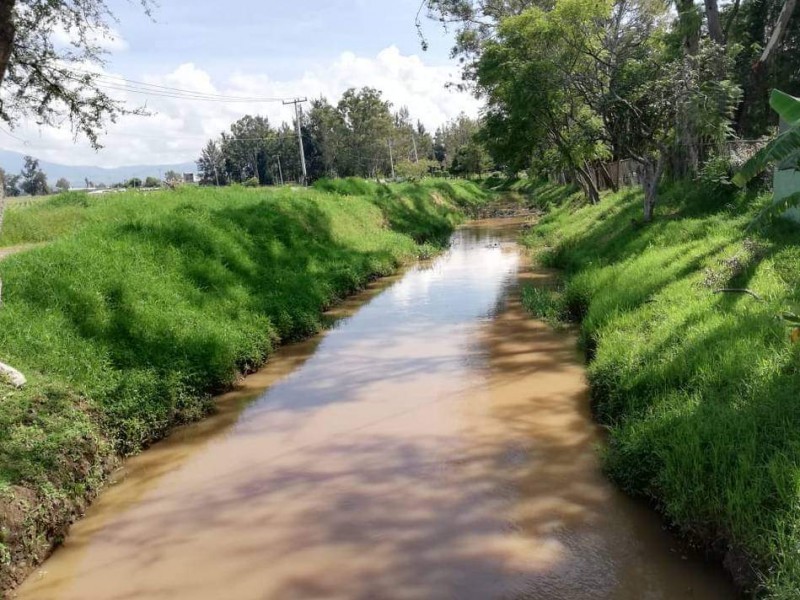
(732, 18)
(652, 175)
(650, 194)
(757, 90)
(2, 214)
(587, 184)
(714, 24)
(7, 33)
(778, 32)
(690, 28)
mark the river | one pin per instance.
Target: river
(434, 443)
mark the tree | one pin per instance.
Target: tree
(62, 185)
(476, 22)
(10, 187)
(133, 182)
(152, 182)
(211, 165)
(531, 75)
(368, 129)
(471, 159)
(249, 149)
(714, 23)
(34, 181)
(571, 83)
(325, 130)
(49, 82)
(452, 136)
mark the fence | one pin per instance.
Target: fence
(628, 172)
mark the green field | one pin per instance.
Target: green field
(137, 307)
(699, 389)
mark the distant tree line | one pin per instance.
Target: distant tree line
(31, 180)
(359, 136)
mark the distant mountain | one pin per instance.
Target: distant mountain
(12, 162)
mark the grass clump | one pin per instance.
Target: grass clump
(700, 389)
(143, 305)
(546, 304)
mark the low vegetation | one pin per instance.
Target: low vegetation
(140, 307)
(692, 367)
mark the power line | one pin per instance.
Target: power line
(11, 135)
(129, 85)
(198, 97)
(167, 88)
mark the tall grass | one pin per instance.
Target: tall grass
(142, 306)
(700, 389)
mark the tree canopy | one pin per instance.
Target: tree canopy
(361, 135)
(569, 84)
(47, 81)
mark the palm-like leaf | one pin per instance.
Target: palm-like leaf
(784, 147)
(786, 106)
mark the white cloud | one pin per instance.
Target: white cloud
(108, 41)
(178, 128)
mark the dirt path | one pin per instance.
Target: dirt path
(7, 251)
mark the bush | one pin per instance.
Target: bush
(351, 186)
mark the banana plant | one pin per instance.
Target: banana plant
(784, 148)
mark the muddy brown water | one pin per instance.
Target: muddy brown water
(436, 443)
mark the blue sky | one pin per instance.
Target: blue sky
(281, 37)
(251, 48)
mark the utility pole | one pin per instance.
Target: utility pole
(280, 169)
(391, 158)
(297, 111)
(414, 141)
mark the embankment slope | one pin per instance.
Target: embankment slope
(700, 388)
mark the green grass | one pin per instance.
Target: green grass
(701, 390)
(141, 306)
(545, 304)
(427, 198)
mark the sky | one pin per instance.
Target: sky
(253, 48)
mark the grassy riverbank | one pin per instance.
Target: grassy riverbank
(139, 306)
(700, 389)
